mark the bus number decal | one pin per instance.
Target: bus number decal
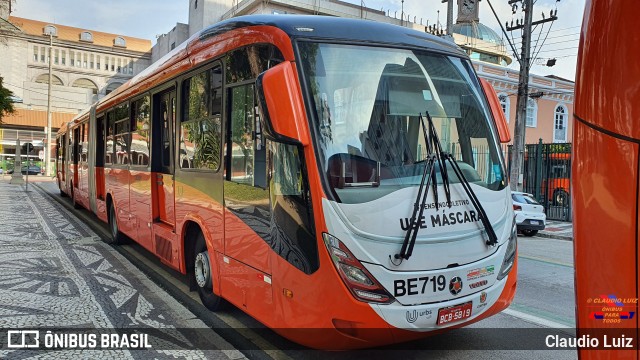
(416, 286)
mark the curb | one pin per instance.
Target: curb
(554, 236)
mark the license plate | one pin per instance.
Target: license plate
(454, 313)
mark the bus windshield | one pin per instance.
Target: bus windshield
(369, 103)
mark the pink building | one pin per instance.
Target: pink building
(550, 102)
(549, 107)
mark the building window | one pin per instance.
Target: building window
(56, 56)
(86, 84)
(42, 52)
(91, 62)
(50, 30)
(111, 87)
(97, 62)
(506, 104)
(195, 5)
(44, 79)
(86, 36)
(532, 113)
(120, 41)
(64, 57)
(560, 124)
(35, 53)
(72, 58)
(173, 45)
(84, 63)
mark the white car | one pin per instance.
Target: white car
(530, 216)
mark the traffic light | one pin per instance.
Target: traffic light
(27, 148)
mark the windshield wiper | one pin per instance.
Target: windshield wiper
(493, 239)
(436, 154)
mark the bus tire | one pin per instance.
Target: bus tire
(75, 203)
(117, 237)
(560, 197)
(62, 193)
(202, 276)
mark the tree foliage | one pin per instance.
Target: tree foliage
(6, 102)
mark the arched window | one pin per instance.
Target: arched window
(560, 124)
(86, 36)
(44, 79)
(112, 86)
(120, 41)
(532, 113)
(50, 29)
(86, 84)
(506, 104)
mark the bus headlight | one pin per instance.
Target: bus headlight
(510, 254)
(358, 280)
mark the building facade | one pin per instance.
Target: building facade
(86, 65)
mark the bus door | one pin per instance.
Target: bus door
(247, 228)
(62, 163)
(74, 158)
(83, 164)
(163, 181)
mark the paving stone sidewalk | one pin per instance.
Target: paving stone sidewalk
(55, 272)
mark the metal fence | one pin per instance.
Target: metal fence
(547, 174)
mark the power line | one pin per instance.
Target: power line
(496, 47)
(555, 37)
(43, 93)
(569, 48)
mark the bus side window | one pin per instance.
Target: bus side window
(246, 154)
(247, 163)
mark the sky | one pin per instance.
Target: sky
(148, 18)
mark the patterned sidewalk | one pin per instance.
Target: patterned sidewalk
(557, 230)
(55, 271)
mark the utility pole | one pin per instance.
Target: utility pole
(517, 153)
(47, 146)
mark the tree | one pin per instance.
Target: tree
(6, 101)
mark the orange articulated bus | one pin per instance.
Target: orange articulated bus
(300, 169)
(605, 187)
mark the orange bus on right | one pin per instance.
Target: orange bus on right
(605, 167)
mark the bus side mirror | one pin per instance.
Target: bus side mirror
(497, 112)
(281, 106)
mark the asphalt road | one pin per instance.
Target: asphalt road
(544, 305)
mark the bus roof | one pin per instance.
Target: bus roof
(312, 27)
(335, 28)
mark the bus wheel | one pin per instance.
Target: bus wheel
(62, 193)
(202, 275)
(76, 205)
(116, 236)
(560, 198)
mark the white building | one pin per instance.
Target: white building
(86, 65)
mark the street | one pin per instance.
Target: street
(93, 284)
